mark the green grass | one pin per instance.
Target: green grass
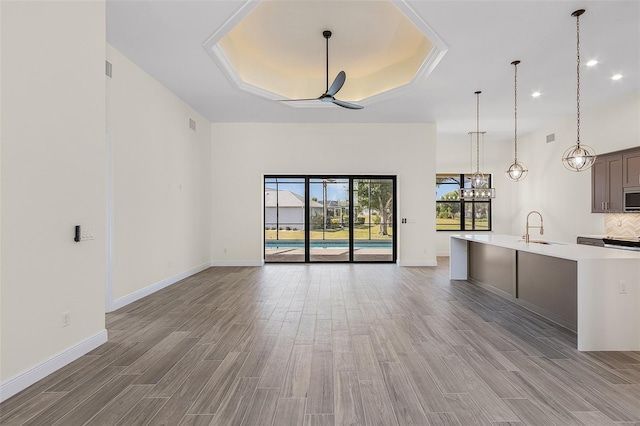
(359, 233)
(454, 224)
(443, 224)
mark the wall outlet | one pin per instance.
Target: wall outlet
(66, 319)
(622, 287)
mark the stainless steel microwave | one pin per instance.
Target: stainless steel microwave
(632, 199)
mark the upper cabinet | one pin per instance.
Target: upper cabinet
(606, 184)
(631, 169)
(610, 174)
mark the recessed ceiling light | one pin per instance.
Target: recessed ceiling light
(616, 77)
(592, 63)
(536, 94)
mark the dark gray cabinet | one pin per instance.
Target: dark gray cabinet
(631, 169)
(610, 174)
(606, 184)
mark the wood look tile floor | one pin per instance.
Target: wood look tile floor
(332, 344)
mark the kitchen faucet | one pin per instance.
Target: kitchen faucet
(526, 232)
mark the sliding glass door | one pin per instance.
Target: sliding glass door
(284, 219)
(329, 219)
(329, 227)
(373, 219)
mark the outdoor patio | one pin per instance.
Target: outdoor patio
(337, 254)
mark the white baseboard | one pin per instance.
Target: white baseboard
(143, 292)
(432, 262)
(25, 379)
(237, 263)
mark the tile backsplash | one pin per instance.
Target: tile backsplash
(622, 224)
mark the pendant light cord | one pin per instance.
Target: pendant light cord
(578, 77)
(478, 132)
(515, 112)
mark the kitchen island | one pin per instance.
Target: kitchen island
(593, 291)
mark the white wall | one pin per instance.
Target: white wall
(53, 178)
(564, 197)
(161, 183)
(242, 153)
(454, 156)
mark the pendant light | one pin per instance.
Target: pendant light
(479, 182)
(516, 171)
(578, 158)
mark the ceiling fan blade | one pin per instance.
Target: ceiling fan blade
(296, 100)
(337, 83)
(346, 104)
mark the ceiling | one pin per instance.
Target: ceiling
(291, 62)
(166, 39)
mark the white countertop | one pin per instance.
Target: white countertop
(555, 249)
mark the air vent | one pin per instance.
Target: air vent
(551, 137)
(108, 69)
(192, 124)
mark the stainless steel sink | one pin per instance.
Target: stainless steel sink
(549, 243)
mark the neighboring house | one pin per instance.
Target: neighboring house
(337, 210)
(284, 208)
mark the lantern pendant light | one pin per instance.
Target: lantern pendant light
(578, 158)
(479, 182)
(516, 171)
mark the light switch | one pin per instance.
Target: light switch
(86, 233)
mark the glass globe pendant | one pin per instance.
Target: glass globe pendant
(478, 180)
(578, 158)
(516, 171)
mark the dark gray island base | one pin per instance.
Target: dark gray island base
(543, 284)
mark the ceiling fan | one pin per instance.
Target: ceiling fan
(329, 94)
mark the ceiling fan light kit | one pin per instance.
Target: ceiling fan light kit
(338, 82)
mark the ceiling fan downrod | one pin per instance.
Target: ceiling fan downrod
(327, 36)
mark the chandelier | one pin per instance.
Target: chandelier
(479, 182)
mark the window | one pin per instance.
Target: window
(455, 214)
(329, 219)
